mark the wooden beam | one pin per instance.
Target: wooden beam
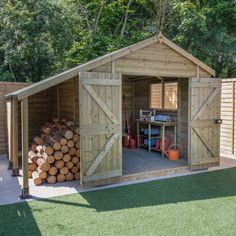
(189, 157)
(102, 154)
(9, 131)
(99, 129)
(101, 82)
(15, 170)
(80, 104)
(25, 144)
(202, 123)
(104, 175)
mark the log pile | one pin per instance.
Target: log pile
(54, 155)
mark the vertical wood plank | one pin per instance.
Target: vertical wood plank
(15, 171)
(73, 99)
(9, 131)
(163, 94)
(25, 144)
(80, 104)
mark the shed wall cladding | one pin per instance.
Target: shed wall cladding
(155, 59)
(64, 101)
(127, 100)
(58, 101)
(141, 96)
(38, 112)
(228, 115)
(183, 94)
(5, 88)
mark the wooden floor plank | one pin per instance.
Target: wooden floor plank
(139, 160)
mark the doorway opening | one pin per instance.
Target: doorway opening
(158, 106)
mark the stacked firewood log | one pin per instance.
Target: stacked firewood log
(54, 155)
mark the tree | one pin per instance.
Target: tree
(33, 38)
(41, 38)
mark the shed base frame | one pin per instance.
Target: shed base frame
(10, 166)
(25, 193)
(15, 172)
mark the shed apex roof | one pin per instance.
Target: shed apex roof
(54, 80)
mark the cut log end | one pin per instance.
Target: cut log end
(74, 170)
(52, 170)
(69, 176)
(64, 170)
(66, 157)
(64, 149)
(54, 155)
(51, 179)
(69, 165)
(75, 159)
(36, 179)
(61, 178)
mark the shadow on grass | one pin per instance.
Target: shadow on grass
(17, 219)
(203, 186)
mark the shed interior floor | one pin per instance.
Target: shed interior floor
(139, 160)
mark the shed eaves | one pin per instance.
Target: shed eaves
(54, 80)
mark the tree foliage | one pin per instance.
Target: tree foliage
(43, 37)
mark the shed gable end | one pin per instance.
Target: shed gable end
(156, 59)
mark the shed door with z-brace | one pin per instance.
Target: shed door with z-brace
(204, 148)
(100, 127)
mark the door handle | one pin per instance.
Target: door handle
(218, 121)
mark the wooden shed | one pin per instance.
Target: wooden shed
(91, 95)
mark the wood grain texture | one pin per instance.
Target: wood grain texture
(228, 115)
(100, 123)
(5, 88)
(205, 106)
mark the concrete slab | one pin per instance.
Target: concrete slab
(10, 187)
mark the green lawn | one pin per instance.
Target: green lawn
(202, 204)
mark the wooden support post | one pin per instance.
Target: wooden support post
(15, 170)
(9, 131)
(25, 137)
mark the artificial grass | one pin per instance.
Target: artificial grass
(202, 204)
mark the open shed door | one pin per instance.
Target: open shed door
(204, 143)
(100, 127)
